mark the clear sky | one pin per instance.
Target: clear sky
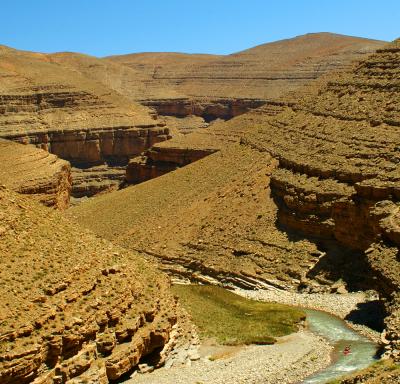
(106, 27)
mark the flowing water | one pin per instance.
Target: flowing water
(339, 335)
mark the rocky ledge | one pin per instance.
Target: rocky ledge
(338, 177)
(74, 308)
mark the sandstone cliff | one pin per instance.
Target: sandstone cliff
(73, 307)
(29, 170)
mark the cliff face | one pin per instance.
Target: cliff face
(29, 170)
(73, 306)
(184, 149)
(67, 114)
(208, 109)
(338, 176)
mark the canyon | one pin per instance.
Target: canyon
(272, 168)
(73, 117)
(299, 200)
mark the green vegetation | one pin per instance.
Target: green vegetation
(232, 320)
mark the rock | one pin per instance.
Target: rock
(144, 368)
(194, 355)
(341, 290)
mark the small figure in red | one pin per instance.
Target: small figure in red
(347, 350)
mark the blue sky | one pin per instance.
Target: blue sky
(106, 27)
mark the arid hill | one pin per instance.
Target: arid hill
(73, 306)
(296, 200)
(224, 86)
(73, 117)
(86, 110)
(30, 170)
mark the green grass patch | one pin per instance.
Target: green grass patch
(231, 319)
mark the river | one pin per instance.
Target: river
(339, 335)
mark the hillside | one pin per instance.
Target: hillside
(94, 112)
(72, 116)
(217, 86)
(263, 72)
(30, 170)
(296, 200)
(73, 305)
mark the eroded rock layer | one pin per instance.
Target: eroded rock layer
(70, 115)
(261, 73)
(73, 306)
(339, 177)
(29, 170)
(304, 197)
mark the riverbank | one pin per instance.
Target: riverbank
(340, 305)
(290, 360)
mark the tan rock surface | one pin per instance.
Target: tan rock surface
(73, 306)
(264, 72)
(29, 170)
(311, 193)
(78, 119)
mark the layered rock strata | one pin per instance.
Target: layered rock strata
(73, 308)
(71, 116)
(216, 86)
(182, 150)
(29, 170)
(264, 72)
(209, 110)
(308, 194)
(338, 176)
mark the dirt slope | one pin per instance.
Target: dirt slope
(263, 72)
(71, 304)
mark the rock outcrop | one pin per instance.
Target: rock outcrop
(73, 308)
(208, 109)
(184, 149)
(29, 170)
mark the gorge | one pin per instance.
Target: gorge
(273, 171)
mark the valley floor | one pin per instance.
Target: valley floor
(291, 359)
